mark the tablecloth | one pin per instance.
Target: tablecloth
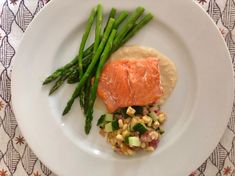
(16, 157)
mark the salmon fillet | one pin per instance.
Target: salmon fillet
(130, 82)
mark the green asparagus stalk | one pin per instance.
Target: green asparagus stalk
(88, 90)
(84, 39)
(99, 19)
(147, 18)
(73, 77)
(103, 59)
(112, 14)
(129, 24)
(98, 28)
(123, 15)
(57, 73)
(90, 67)
(59, 82)
(87, 94)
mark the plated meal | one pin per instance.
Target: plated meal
(185, 114)
(132, 81)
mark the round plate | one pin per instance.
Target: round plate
(198, 110)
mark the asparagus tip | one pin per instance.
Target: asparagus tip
(44, 82)
(51, 92)
(66, 110)
(87, 130)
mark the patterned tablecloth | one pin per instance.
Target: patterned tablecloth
(16, 157)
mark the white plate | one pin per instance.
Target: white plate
(198, 110)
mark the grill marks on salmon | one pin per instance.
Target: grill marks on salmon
(130, 82)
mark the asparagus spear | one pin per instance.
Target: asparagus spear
(57, 73)
(92, 98)
(90, 67)
(60, 81)
(98, 28)
(147, 18)
(112, 14)
(130, 23)
(88, 91)
(123, 15)
(73, 77)
(84, 39)
(99, 19)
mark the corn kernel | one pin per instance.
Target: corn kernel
(125, 133)
(133, 122)
(150, 149)
(143, 145)
(156, 124)
(146, 119)
(130, 152)
(150, 122)
(119, 137)
(120, 123)
(130, 111)
(154, 135)
(161, 118)
(125, 126)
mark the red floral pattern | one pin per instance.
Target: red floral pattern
(1, 105)
(36, 174)
(3, 172)
(202, 1)
(20, 140)
(227, 170)
(14, 2)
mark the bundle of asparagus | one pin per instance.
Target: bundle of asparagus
(88, 63)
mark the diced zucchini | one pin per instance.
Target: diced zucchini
(141, 128)
(153, 115)
(108, 127)
(101, 121)
(115, 125)
(138, 110)
(134, 141)
(108, 117)
(160, 130)
(126, 140)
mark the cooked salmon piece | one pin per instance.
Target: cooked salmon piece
(130, 82)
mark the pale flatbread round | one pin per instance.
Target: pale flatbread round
(167, 67)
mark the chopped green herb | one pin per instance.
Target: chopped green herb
(115, 125)
(140, 128)
(101, 120)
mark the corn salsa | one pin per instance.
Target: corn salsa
(133, 129)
